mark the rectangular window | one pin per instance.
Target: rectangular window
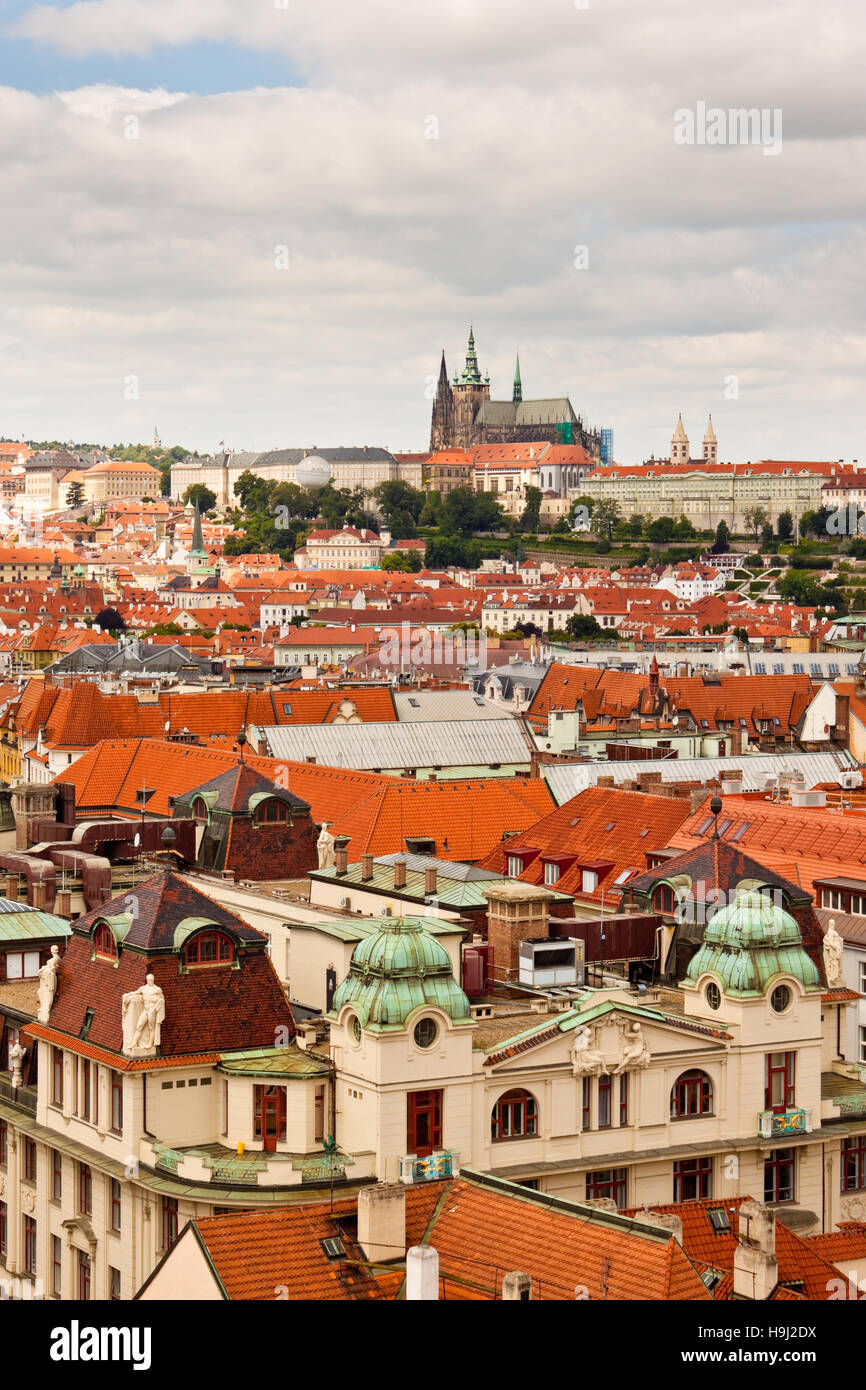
(693, 1179)
(423, 1122)
(586, 1104)
(779, 1176)
(113, 1284)
(22, 965)
(84, 1092)
(56, 1175)
(858, 905)
(85, 1190)
(30, 1160)
(604, 1090)
(4, 1143)
(29, 1245)
(862, 1037)
(56, 1266)
(115, 1204)
(551, 874)
(116, 1102)
(83, 1277)
(515, 866)
(56, 1076)
(853, 1163)
(589, 880)
(319, 1118)
(169, 1222)
(623, 1098)
(607, 1182)
(779, 1091)
(4, 1228)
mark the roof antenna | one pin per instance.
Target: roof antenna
(242, 738)
(715, 809)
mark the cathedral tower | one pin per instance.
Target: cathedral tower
(442, 421)
(711, 444)
(470, 392)
(680, 444)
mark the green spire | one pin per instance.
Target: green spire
(517, 395)
(470, 376)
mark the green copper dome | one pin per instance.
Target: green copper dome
(395, 971)
(748, 944)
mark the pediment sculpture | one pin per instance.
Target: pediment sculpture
(586, 1059)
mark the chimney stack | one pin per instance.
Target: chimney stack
(382, 1222)
(341, 859)
(400, 873)
(366, 867)
(517, 1286)
(515, 912)
(430, 875)
(422, 1274)
(756, 1269)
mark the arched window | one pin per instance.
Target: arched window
(270, 811)
(210, 948)
(691, 1094)
(515, 1115)
(199, 810)
(104, 944)
(663, 898)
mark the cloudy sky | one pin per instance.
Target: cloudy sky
(260, 221)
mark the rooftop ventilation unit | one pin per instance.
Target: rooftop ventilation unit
(545, 962)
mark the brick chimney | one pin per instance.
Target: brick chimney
(382, 1222)
(430, 874)
(400, 873)
(756, 1269)
(515, 912)
(366, 867)
(341, 859)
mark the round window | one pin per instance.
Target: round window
(713, 996)
(780, 998)
(355, 1026)
(425, 1032)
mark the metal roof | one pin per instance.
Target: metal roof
(421, 706)
(567, 779)
(464, 743)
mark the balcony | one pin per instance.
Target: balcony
(441, 1164)
(771, 1124)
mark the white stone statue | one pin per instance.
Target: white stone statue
(16, 1062)
(635, 1051)
(833, 948)
(325, 848)
(585, 1060)
(143, 1012)
(47, 985)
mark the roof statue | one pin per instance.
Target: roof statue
(833, 949)
(143, 1012)
(325, 848)
(47, 985)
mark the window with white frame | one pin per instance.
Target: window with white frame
(589, 881)
(515, 866)
(22, 965)
(862, 1033)
(832, 898)
(551, 874)
(863, 976)
(858, 904)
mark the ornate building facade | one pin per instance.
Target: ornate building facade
(464, 416)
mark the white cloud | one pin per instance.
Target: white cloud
(147, 245)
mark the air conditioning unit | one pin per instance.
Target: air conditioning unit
(850, 780)
(345, 903)
(384, 912)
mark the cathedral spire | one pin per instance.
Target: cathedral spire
(517, 394)
(197, 538)
(470, 376)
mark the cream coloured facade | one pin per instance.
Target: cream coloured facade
(708, 494)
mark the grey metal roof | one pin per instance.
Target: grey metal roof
(443, 743)
(445, 868)
(421, 706)
(567, 779)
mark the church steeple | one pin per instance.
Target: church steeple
(197, 537)
(680, 444)
(711, 444)
(470, 376)
(517, 394)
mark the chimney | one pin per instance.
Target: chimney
(756, 1269)
(400, 873)
(341, 857)
(697, 797)
(430, 874)
(422, 1274)
(515, 912)
(63, 903)
(38, 894)
(12, 887)
(668, 1221)
(382, 1222)
(517, 1286)
(366, 867)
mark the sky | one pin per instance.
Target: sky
(259, 222)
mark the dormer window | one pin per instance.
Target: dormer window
(210, 948)
(104, 943)
(199, 810)
(271, 811)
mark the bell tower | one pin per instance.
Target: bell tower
(470, 391)
(442, 420)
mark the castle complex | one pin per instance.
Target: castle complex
(464, 416)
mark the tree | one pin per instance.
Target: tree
(605, 515)
(583, 627)
(531, 515)
(684, 530)
(401, 506)
(785, 526)
(767, 536)
(398, 561)
(755, 518)
(634, 527)
(252, 491)
(661, 530)
(75, 494)
(198, 493)
(722, 543)
(109, 620)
